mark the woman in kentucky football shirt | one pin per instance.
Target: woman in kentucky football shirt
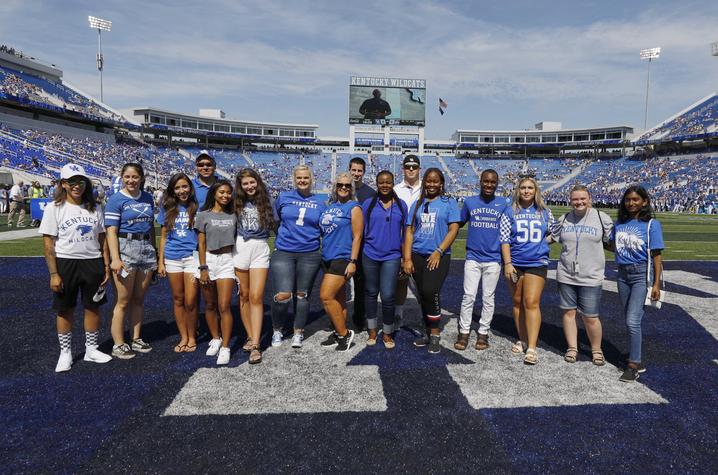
(524, 234)
(296, 257)
(177, 258)
(129, 217)
(78, 261)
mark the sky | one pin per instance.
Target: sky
(499, 65)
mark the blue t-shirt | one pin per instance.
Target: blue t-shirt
(200, 190)
(182, 240)
(631, 240)
(383, 230)
(130, 215)
(483, 218)
(432, 223)
(248, 224)
(298, 222)
(336, 224)
(525, 231)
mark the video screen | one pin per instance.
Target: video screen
(387, 101)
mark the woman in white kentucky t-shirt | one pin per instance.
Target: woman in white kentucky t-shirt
(77, 257)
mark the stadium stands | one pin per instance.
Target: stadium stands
(698, 121)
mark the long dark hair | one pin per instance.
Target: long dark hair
(644, 214)
(171, 203)
(88, 197)
(393, 196)
(261, 199)
(209, 202)
(422, 198)
(140, 171)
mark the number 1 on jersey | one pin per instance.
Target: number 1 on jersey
(300, 219)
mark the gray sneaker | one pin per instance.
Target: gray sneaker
(434, 344)
(123, 351)
(141, 346)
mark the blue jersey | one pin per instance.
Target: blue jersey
(631, 240)
(383, 230)
(525, 231)
(483, 218)
(182, 240)
(130, 215)
(432, 223)
(298, 222)
(336, 224)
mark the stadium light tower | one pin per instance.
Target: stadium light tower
(101, 25)
(649, 54)
(714, 48)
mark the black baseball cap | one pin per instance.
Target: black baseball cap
(411, 160)
(204, 154)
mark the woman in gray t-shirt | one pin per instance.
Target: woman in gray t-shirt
(582, 232)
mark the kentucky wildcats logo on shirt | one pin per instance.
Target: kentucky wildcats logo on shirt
(629, 239)
(328, 220)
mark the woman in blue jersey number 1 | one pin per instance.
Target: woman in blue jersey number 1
(129, 217)
(524, 234)
(431, 228)
(342, 223)
(638, 241)
(296, 258)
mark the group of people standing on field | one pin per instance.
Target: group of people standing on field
(214, 234)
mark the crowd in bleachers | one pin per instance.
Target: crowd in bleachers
(699, 120)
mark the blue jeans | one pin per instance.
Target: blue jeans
(632, 292)
(294, 273)
(380, 276)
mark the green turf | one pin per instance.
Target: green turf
(687, 237)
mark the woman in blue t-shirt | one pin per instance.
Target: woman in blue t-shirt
(431, 228)
(637, 239)
(129, 217)
(384, 218)
(524, 233)
(342, 224)
(296, 258)
(177, 258)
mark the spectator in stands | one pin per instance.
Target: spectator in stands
(78, 261)
(17, 205)
(523, 231)
(129, 217)
(375, 108)
(296, 257)
(582, 232)
(342, 227)
(206, 166)
(431, 228)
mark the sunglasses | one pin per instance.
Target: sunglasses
(346, 186)
(205, 165)
(411, 167)
(74, 183)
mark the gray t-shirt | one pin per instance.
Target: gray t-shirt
(582, 261)
(219, 228)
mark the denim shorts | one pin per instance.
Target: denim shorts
(587, 300)
(138, 254)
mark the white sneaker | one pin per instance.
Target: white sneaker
(64, 363)
(214, 345)
(223, 357)
(94, 355)
(297, 340)
(277, 338)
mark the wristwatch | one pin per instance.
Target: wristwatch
(203, 267)
(352, 261)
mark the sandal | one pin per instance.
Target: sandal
(597, 358)
(531, 357)
(462, 341)
(482, 342)
(519, 347)
(190, 348)
(179, 348)
(388, 342)
(255, 356)
(571, 354)
(248, 345)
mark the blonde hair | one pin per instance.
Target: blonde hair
(538, 198)
(300, 168)
(581, 188)
(333, 198)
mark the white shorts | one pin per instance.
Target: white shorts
(252, 254)
(220, 266)
(187, 264)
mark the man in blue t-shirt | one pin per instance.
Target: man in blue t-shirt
(206, 166)
(483, 257)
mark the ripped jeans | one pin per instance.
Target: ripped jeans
(293, 273)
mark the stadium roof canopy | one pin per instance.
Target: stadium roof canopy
(555, 136)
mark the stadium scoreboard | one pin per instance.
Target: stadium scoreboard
(387, 101)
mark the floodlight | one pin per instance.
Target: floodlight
(99, 23)
(649, 54)
(714, 48)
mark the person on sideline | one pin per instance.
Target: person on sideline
(638, 241)
(524, 235)
(216, 227)
(77, 258)
(129, 217)
(255, 220)
(17, 205)
(342, 224)
(431, 228)
(384, 218)
(483, 258)
(296, 258)
(177, 258)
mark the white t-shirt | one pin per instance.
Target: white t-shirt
(75, 228)
(16, 193)
(407, 193)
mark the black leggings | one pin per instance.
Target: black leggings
(428, 284)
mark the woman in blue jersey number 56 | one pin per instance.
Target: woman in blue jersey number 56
(524, 231)
(296, 258)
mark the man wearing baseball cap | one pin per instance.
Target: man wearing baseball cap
(206, 166)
